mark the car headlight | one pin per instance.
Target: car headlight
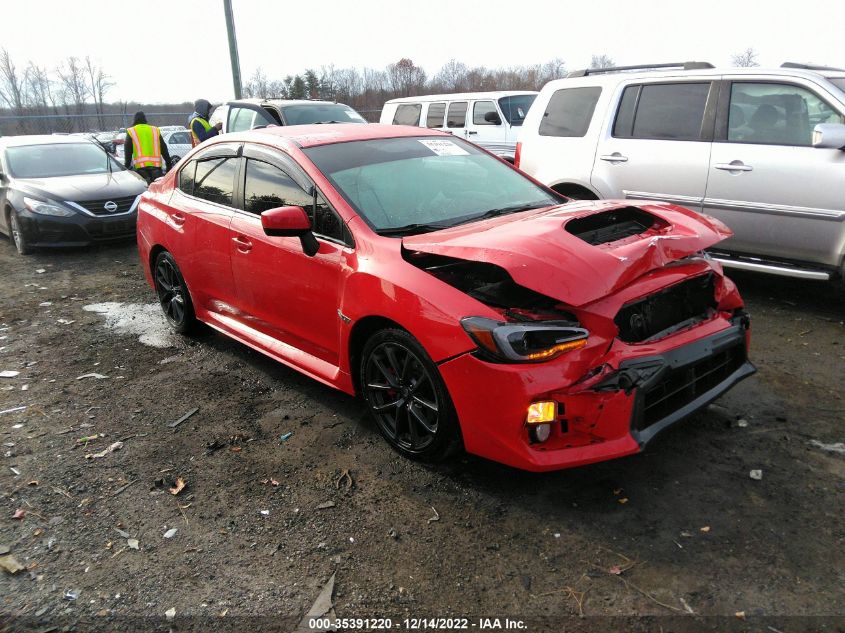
(525, 342)
(47, 207)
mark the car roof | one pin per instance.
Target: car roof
(283, 102)
(496, 94)
(42, 139)
(615, 77)
(326, 134)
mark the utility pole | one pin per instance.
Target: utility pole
(233, 47)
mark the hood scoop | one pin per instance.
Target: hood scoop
(614, 225)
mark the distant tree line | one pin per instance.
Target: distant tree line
(80, 87)
(70, 97)
(367, 89)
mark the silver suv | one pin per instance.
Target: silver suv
(762, 150)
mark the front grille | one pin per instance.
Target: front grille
(667, 311)
(680, 386)
(98, 207)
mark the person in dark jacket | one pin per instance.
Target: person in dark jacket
(201, 129)
(145, 150)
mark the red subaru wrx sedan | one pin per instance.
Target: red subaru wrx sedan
(469, 305)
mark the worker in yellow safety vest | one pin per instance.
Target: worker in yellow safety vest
(145, 150)
(201, 129)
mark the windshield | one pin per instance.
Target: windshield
(412, 185)
(516, 107)
(839, 82)
(320, 113)
(59, 159)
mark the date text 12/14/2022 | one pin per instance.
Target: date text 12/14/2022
(417, 624)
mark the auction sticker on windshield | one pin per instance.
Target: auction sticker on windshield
(444, 148)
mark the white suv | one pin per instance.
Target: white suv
(762, 150)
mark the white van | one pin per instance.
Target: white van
(491, 120)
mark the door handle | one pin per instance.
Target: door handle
(734, 165)
(178, 219)
(471, 132)
(615, 157)
(242, 244)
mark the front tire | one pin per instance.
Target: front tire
(407, 397)
(17, 235)
(173, 294)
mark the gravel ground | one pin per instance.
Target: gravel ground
(679, 538)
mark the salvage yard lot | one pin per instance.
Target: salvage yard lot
(680, 528)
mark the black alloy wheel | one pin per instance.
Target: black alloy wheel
(18, 237)
(407, 397)
(173, 294)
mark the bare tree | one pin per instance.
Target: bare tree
(745, 59)
(99, 84)
(75, 86)
(328, 82)
(11, 83)
(601, 61)
(349, 83)
(405, 78)
(257, 85)
(452, 77)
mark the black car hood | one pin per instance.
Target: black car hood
(117, 184)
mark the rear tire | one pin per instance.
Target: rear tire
(17, 236)
(173, 295)
(407, 398)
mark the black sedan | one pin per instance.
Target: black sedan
(64, 191)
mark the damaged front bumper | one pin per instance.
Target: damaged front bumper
(640, 391)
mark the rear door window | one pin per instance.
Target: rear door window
(457, 114)
(436, 115)
(215, 180)
(569, 112)
(407, 114)
(662, 111)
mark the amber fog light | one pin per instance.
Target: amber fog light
(539, 412)
(540, 432)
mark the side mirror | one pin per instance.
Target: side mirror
(829, 136)
(290, 222)
(493, 117)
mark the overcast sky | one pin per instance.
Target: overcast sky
(178, 49)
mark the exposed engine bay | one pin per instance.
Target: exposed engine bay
(492, 286)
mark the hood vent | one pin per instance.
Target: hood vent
(614, 225)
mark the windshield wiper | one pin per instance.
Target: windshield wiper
(514, 208)
(411, 229)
